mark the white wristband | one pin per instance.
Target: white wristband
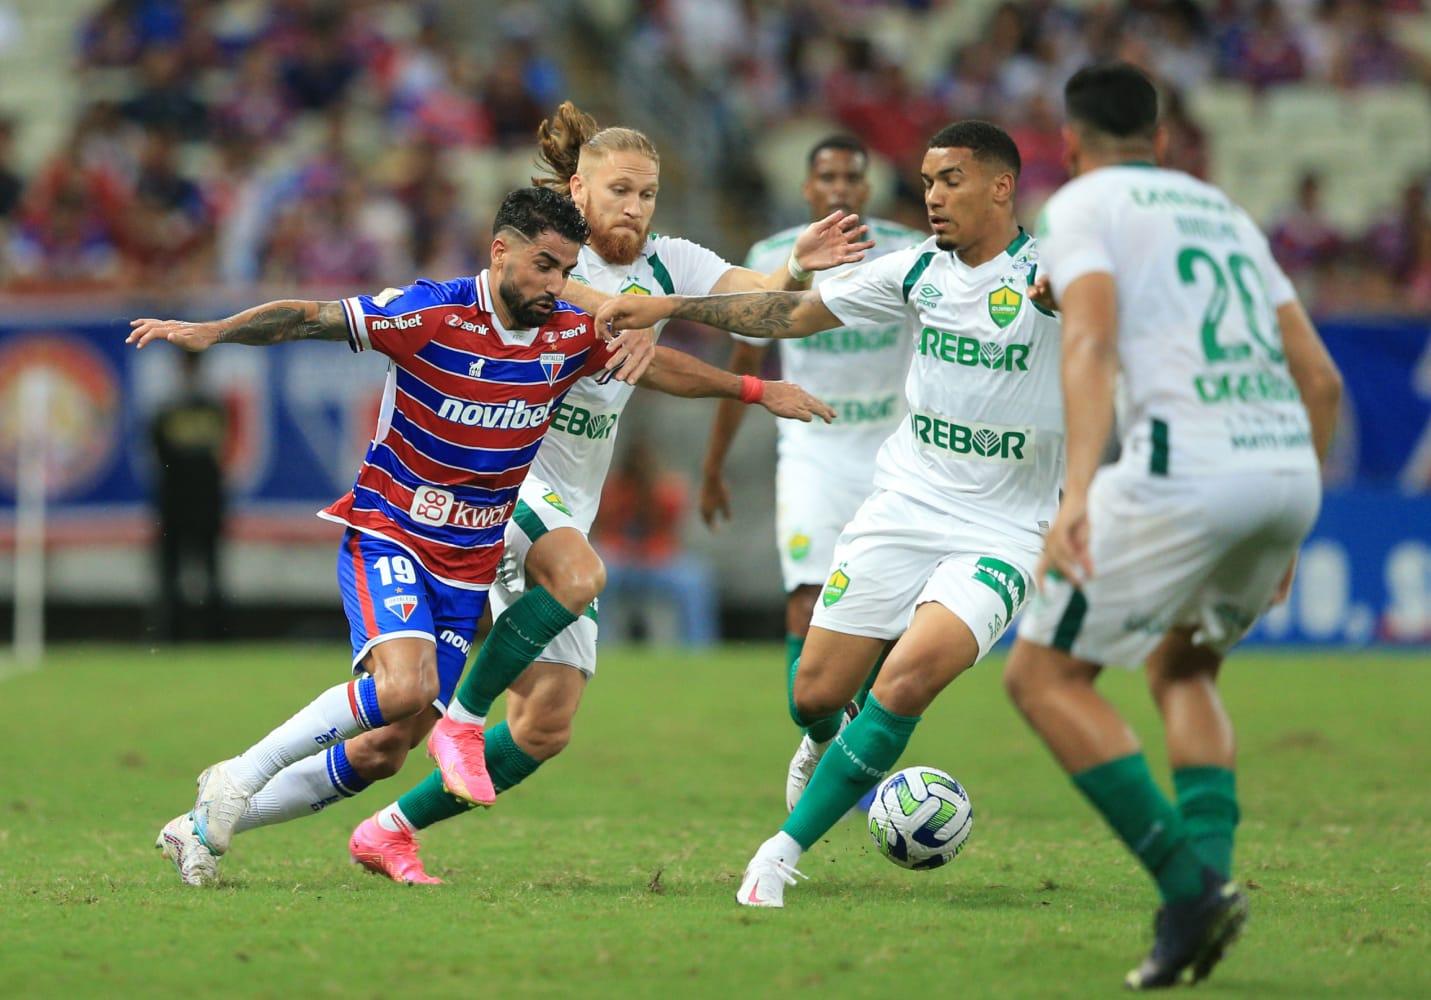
(796, 271)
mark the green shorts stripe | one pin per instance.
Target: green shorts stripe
(1071, 622)
(528, 521)
(1158, 466)
(1003, 580)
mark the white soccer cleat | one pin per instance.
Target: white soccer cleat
(219, 805)
(807, 758)
(765, 881)
(196, 864)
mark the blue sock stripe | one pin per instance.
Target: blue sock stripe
(347, 781)
(368, 703)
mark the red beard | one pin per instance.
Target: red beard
(618, 246)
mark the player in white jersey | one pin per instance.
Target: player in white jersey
(544, 661)
(823, 472)
(941, 556)
(1169, 555)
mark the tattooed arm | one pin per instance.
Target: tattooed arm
(756, 314)
(270, 323)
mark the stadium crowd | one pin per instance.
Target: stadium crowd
(312, 142)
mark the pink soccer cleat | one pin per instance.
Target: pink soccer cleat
(460, 749)
(386, 853)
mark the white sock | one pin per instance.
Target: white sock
(393, 820)
(300, 789)
(457, 713)
(335, 715)
(781, 847)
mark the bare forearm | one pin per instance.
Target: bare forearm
(283, 320)
(1319, 382)
(584, 297)
(1090, 368)
(759, 314)
(677, 373)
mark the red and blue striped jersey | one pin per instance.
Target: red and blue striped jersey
(466, 405)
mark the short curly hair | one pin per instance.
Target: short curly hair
(532, 210)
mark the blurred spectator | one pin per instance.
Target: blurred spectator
(318, 70)
(1367, 54)
(1187, 143)
(67, 247)
(1040, 140)
(1393, 241)
(1265, 52)
(255, 104)
(166, 101)
(167, 224)
(11, 184)
(638, 535)
(513, 112)
(1303, 240)
(188, 437)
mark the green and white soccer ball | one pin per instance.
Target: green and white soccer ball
(920, 817)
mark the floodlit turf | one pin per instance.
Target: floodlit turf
(612, 870)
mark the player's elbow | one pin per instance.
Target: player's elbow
(1321, 388)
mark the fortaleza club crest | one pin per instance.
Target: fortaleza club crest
(835, 587)
(402, 605)
(1004, 306)
(551, 363)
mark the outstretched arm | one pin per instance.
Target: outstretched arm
(745, 359)
(677, 373)
(834, 240)
(756, 314)
(270, 323)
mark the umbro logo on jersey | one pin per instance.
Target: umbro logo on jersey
(457, 321)
(402, 605)
(927, 295)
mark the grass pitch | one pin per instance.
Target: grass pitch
(611, 871)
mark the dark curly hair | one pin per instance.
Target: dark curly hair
(532, 210)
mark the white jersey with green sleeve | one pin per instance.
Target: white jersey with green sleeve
(577, 451)
(984, 436)
(858, 370)
(1205, 382)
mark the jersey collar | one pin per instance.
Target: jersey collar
(488, 304)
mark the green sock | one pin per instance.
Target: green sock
(861, 756)
(863, 695)
(1123, 790)
(428, 802)
(517, 638)
(1207, 800)
(822, 729)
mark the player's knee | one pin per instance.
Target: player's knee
(814, 698)
(1017, 682)
(404, 689)
(542, 739)
(380, 754)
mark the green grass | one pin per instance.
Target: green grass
(612, 870)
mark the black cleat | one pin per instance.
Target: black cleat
(1190, 938)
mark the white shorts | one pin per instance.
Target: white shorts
(540, 509)
(812, 507)
(1207, 553)
(898, 553)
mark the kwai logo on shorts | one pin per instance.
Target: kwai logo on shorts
(402, 605)
(1004, 304)
(798, 546)
(554, 498)
(835, 587)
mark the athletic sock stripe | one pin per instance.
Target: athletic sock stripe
(368, 699)
(333, 776)
(354, 706)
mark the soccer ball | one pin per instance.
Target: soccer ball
(920, 817)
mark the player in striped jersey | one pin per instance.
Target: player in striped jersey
(613, 175)
(477, 367)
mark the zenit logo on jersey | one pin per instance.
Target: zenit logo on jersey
(443, 469)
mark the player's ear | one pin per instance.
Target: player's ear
(499, 251)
